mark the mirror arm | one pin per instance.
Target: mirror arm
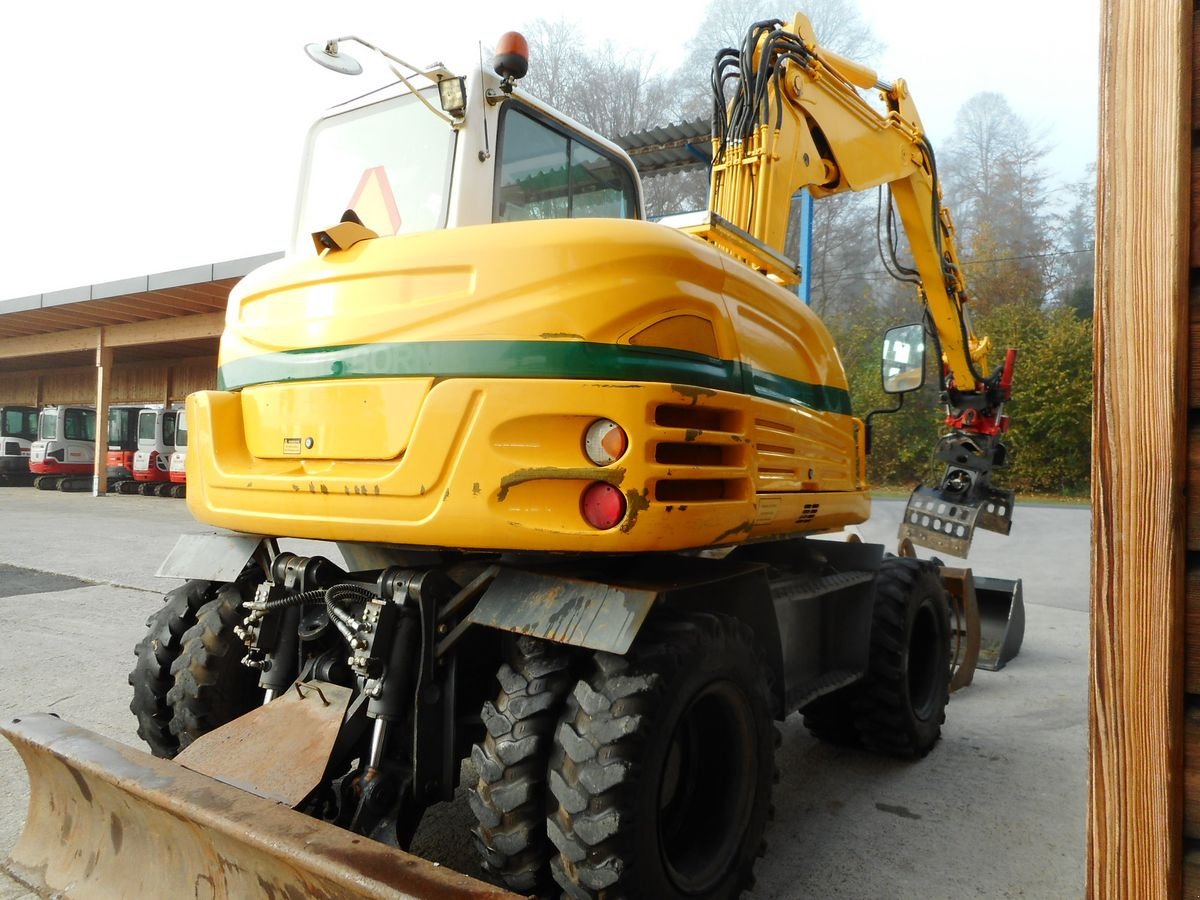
(876, 412)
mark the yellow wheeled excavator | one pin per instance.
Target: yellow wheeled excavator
(574, 464)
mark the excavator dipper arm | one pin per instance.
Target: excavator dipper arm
(788, 115)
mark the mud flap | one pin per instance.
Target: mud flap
(106, 820)
(213, 556)
(305, 720)
(592, 614)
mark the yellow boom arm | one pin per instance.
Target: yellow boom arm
(797, 121)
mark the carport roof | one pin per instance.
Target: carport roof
(671, 148)
(182, 292)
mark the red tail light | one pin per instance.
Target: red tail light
(603, 505)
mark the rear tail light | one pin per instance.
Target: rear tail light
(605, 442)
(603, 505)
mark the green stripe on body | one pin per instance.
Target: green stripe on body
(528, 359)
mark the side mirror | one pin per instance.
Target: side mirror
(903, 359)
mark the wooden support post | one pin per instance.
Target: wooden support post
(1135, 794)
(37, 391)
(167, 384)
(104, 362)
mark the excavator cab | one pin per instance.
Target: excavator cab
(475, 152)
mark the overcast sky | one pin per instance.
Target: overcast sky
(140, 137)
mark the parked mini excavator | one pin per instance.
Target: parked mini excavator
(155, 444)
(18, 430)
(574, 463)
(122, 445)
(178, 464)
(62, 456)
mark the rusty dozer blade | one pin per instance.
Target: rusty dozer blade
(107, 821)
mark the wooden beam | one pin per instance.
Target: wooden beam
(58, 342)
(104, 365)
(157, 331)
(171, 362)
(1135, 794)
(153, 331)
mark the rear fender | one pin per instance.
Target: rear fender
(217, 557)
(602, 614)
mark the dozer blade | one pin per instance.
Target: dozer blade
(107, 821)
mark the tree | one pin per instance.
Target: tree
(610, 91)
(838, 25)
(615, 94)
(993, 172)
(1076, 238)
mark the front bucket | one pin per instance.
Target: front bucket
(106, 821)
(1001, 621)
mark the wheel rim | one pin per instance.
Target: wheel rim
(706, 788)
(924, 665)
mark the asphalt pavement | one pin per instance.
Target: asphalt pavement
(996, 810)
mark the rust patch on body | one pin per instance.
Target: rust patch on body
(692, 392)
(635, 502)
(610, 476)
(744, 528)
(691, 434)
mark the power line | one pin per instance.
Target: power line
(972, 262)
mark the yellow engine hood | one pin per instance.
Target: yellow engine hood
(598, 299)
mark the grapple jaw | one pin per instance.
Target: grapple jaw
(945, 518)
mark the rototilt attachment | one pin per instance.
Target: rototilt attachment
(945, 518)
(942, 523)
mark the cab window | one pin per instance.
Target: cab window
(146, 426)
(544, 173)
(19, 423)
(79, 425)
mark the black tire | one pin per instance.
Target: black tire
(211, 686)
(151, 676)
(509, 800)
(831, 719)
(901, 705)
(663, 765)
